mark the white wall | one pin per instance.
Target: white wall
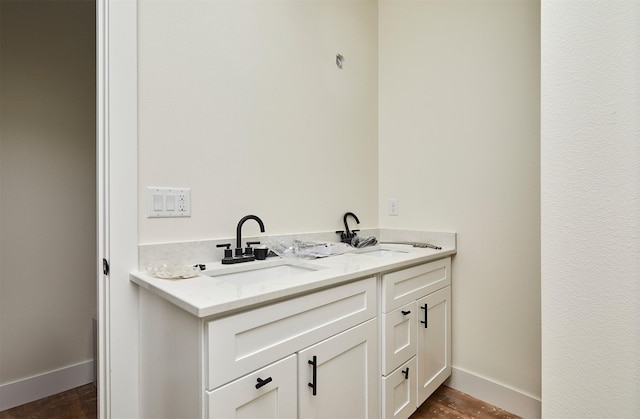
(459, 147)
(591, 209)
(243, 103)
(47, 184)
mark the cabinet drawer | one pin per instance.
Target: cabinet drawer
(399, 391)
(239, 344)
(401, 287)
(275, 399)
(398, 336)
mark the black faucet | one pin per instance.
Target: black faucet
(347, 235)
(241, 256)
(239, 231)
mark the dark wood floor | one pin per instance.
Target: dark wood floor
(446, 403)
(81, 403)
(77, 403)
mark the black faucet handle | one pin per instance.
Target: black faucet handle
(249, 250)
(344, 237)
(227, 250)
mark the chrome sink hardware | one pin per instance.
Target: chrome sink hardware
(347, 235)
(240, 256)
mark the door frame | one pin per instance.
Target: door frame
(117, 196)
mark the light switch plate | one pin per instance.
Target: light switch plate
(168, 202)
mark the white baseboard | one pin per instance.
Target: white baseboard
(497, 394)
(44, 385)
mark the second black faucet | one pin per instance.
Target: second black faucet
(347, 235)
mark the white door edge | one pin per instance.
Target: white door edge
(102, 179)
(116, 109)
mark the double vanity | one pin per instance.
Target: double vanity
(364, 334)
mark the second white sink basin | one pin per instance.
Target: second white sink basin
(379, 252)
(382, 253)
(263, 274)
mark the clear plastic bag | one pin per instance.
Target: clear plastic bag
(298, 249)
(168, 270)
(359, 242)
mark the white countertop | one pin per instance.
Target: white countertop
(214, 294)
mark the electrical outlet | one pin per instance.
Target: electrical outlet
(168, 202)
(394, 206)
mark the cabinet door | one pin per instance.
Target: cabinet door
(398, 337)
(434, 342)
(267, 393)
(345, 375)
(399, 391)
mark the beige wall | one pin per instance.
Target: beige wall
(459, 147)
(47, 186)
(590, 209)
(243, 103)
(281, 132)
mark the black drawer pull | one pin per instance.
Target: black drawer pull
(313, 384)
(426, 312)
(406, 312)
(262, 382)
(406, 373)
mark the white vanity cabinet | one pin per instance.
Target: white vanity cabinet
(257, 360)
(373, 346)
(415, 335)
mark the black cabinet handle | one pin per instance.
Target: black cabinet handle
(262, 382)
(313, 384)
(426, 312)
(406, 312)
(406, 373)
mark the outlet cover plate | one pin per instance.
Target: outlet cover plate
(165, 202)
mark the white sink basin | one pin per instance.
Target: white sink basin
(263, 274)
(378, 252)
(382, 253)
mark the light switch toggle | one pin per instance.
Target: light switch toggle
(158, 202)
(171, 203)
(168, 202)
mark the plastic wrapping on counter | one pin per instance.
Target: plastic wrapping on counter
(168, 270)
(360, 242)
(305, 250)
